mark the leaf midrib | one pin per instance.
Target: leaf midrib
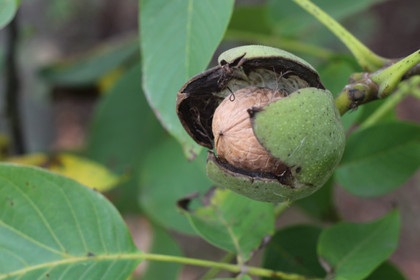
(72, 260)
(360, 245)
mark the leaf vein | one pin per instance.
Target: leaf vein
(38, 212)
(32, 240)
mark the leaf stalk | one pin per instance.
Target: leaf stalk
(364, 56)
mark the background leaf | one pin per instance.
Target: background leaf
(386, 271)
(8, 10)
(233, 222)
(293, 250)
(178, 40)
(167, 176)
(353, 251)
(380, 158)
(242, 14)
(88, 68)
(336, 72)
(367, 109)
(320, 204)
(85, 171)
(124, 127)
(53, 227)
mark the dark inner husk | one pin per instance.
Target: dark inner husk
(286, 179)
(199, 98)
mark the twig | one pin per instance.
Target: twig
(366, 87)
(214, 271)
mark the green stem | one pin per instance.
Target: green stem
(405, 88)
(214, 271)
(162, 258)
(389, 78)
(343, 103)
(229, 267)
(360, 92)
(281, 207)
(287, 44)
(365, 87)
(364, 56)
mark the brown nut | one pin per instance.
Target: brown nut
(234, 137)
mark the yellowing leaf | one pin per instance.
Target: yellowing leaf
(107, 81)
(4, 146)
(86, 172)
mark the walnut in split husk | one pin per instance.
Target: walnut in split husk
(276, 131)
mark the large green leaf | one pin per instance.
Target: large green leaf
(290, 19)
(233, 222)
(8, 10)
(124, 127)
(178, 39)
(242, 14)
(51, 227)
(88, 68)
(163, 243)
(353, 251)
(380, 158)
(293, 250)
(167, 176)
(386, 271)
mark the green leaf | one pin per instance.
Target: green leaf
(320, 204)
(367, 109)
(8, 10)
(233, 222)
(87, 69)
(167, 176)
(124, 127)
(163, 244)
(335, 73)
(349, 119)
(386, 271)
(242, 14)
(380, 158)
(52, 227)
(84, 171)
(179, 38)
(352, 251)
(293, 250)
(290, 19)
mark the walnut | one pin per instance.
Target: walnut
(234, 137)
(272, 130)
